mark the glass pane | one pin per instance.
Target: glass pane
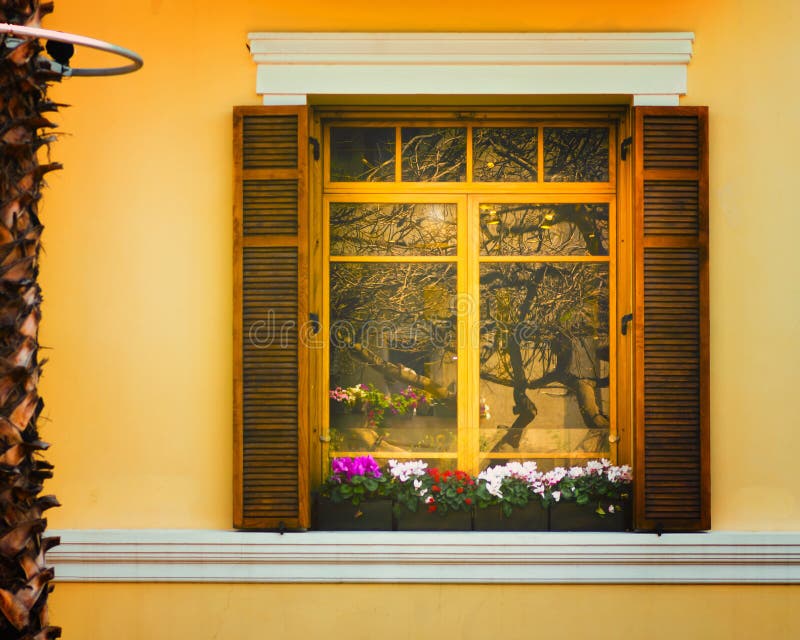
(392, 229)
(576, 154)
(544, 358)
(504, 154)
(434, 154)
(393, 368)
(362, 154)
(522, 229)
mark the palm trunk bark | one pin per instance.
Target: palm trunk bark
(24, 576)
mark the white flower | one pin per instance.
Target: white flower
(594, 467)
(429, 499)
(611, 508)
(404, 471)
(556, 495)
(577, 472)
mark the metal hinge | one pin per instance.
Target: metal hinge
(315, 144)
(626, 146)
(624, 322)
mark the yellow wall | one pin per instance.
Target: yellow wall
(137, 275)
(364, 612)
(137, 281)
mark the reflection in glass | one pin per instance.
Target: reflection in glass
(504, 154)
(393, 336)
(576, 154)
(362, 154)
(392, 229)
(434, 154)
(524, 229)
(544, 357)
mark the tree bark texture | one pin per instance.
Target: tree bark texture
(25, 580)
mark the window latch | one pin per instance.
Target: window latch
(626, 146)
(315, 325)
(625, 320)
(315, 144)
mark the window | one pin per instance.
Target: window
(469, 279)
(415, 238)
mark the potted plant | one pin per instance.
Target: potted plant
(354, 497)
(594, 497)
(428, 499)
(511, 497)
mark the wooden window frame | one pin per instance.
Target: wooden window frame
(614, 191)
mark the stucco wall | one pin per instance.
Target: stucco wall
(137, 281)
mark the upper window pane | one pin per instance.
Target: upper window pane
(504, 154)
(362, 154)
(434, 154)
(576, 154)
(392, 229)
(522, 229)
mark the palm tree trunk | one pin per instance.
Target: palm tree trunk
(24, 577)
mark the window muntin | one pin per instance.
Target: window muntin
(526, 227)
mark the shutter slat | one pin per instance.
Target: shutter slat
(671, 320)
(271, 452)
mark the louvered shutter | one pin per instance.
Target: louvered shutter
(270, 307)
(671, 319)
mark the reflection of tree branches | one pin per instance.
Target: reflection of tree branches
(403, 309)
(544, 229)
(544, 324)
(392, 229)
(576, 154)
(434, 154)
(504, 154)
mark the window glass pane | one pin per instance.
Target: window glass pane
(544, 358)
(392, 229)
(576, 154)
(434, 154)
(362, 154)
(524, 229)
(393, 368)
(504, 154)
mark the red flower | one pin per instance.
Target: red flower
(460, 490)
(435, 488)
(468, 501)
(432, 508)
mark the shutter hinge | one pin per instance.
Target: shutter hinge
(314, 143)
(626, 145)
(315, 325)
(625, 320)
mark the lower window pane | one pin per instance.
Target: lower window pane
(393, 368)
(544, 359)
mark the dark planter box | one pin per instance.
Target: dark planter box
(571, 516)
(371, 515)
(531, 517)
(423, 520)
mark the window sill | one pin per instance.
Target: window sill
(151, 555)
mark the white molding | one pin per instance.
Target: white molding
(146, 555)
(292, 66)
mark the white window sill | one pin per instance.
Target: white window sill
(151, 555)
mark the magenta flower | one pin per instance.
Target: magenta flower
(347, 468)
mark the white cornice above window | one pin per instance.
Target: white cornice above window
(649, 67)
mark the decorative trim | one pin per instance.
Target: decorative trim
(292, 66)
(146, 555)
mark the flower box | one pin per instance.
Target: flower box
(371, 515)
(571, 516)
(424, 520)
(531, 517)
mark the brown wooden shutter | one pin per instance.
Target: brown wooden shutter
(270, 308)
(671, 318)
